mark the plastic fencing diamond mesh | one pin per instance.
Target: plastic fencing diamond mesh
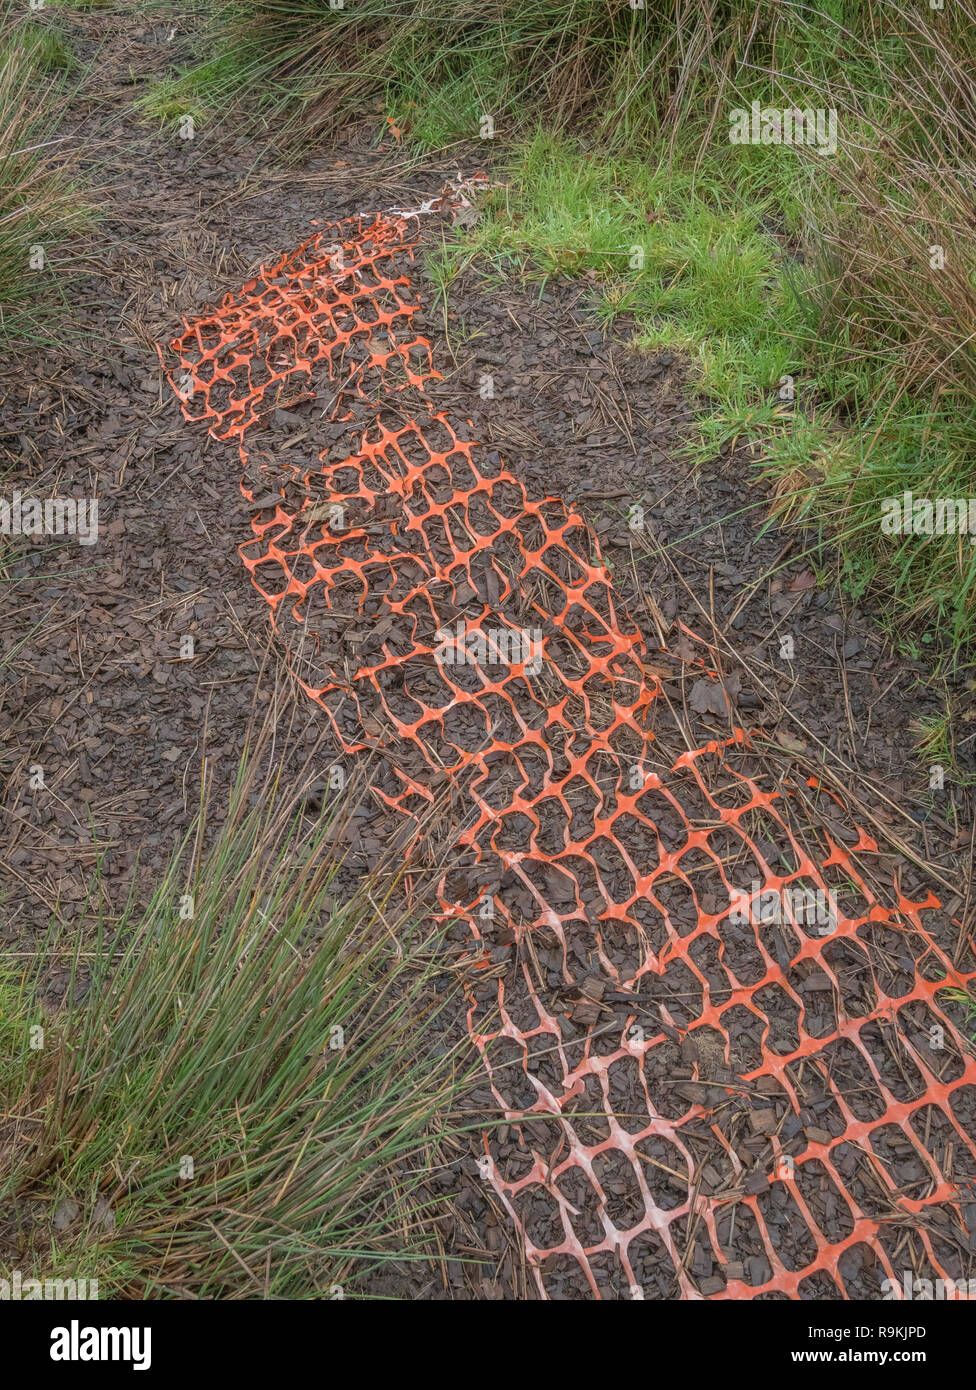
(733, 1052)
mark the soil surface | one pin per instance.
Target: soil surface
(98, 694)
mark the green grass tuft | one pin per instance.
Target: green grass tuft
(38, 206)
(227, 1088)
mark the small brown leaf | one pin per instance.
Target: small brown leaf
(708, 698)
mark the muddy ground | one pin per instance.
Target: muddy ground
(94, 691)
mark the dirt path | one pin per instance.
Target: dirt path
(778, 1113)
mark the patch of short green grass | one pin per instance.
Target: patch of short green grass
(188, 94)
(691, 253)
(45, 48)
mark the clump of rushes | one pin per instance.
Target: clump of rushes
(37, 205)
(441, 70)
(226, 1092)
(887, 295)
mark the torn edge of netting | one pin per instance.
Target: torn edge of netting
(489, 614)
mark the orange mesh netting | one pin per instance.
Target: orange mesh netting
(714, 1090)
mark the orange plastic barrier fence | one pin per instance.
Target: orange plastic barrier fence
(730, 1059)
